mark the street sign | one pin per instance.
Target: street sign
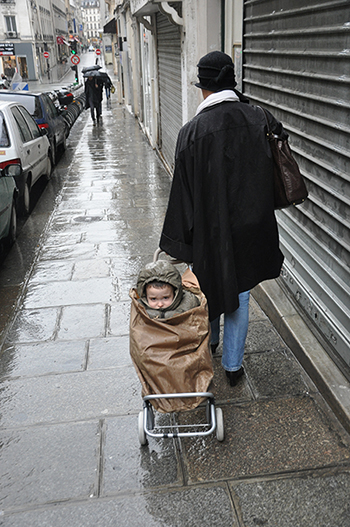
(75, 59)
(59, 40)
(98, 52)
(7, 49)
(46, 54)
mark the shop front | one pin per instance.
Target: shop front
(17, 57)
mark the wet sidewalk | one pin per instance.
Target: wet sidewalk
(70, 397)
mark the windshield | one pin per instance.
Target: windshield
(31, 102)
(4, 136)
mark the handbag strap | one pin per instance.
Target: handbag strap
(270, 134)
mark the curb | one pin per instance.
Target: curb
(330, 381)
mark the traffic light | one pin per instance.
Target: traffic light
(73, 47)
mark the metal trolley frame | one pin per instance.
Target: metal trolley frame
(214, 418)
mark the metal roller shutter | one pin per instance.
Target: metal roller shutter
(297, 64)
(169, 78)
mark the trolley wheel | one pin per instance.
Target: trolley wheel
(142, 433)
(150, 417)
(220, 433)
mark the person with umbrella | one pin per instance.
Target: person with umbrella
(93, 93)
(107, 83)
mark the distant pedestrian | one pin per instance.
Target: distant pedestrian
(4, 83)
(108, 85)
(93, 97)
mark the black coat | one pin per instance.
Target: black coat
(93, 92)
(220, 213)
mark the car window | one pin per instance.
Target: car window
(51, 107)
(34, 128)
(38, 111)
(4, 136)
(22, 125)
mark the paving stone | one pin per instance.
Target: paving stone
(275, 374)
(316, 500)
(83, 251)
(89, 291)
(43, 358)
(111, 352)
(197, 507)
(265, 437)
(82, 321)
(262, 336)
(120, 318)
(128, 465)
(222, 390)
(48, 463)
(52, 271)
(69, 397)
(34, 325)
(85, 269)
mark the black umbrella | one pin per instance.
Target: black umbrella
(103, 75)
(91, 68)
(92, 73)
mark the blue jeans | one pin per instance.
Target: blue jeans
(235, 333)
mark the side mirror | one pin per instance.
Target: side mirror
(12, 170)
(44, 131)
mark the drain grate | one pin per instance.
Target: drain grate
(87, 219)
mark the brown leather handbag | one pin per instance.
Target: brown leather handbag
(289, 185)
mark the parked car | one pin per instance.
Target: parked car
(45, 113)
(8, 204)
(65, 96)
(24, 145)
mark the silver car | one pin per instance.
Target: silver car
(23, 143)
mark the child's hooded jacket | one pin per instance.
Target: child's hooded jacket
(164, 271)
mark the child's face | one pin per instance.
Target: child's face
(159, 297)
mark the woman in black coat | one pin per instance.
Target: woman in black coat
(220, 213)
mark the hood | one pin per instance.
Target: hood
(162, 271)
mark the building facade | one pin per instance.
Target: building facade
(92, 22)
(35, 35)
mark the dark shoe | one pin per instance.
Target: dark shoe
(234, 376)
(214, 347)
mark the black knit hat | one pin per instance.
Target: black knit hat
(216, 72)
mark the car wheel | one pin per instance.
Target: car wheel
(11, 237)
(26, 198)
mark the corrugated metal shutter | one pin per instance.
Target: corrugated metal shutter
(169, 78)
(297, 64)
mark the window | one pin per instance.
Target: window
(23, 128)
(4, 136)
(34, 128)
(51, 108)
(11, 23)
